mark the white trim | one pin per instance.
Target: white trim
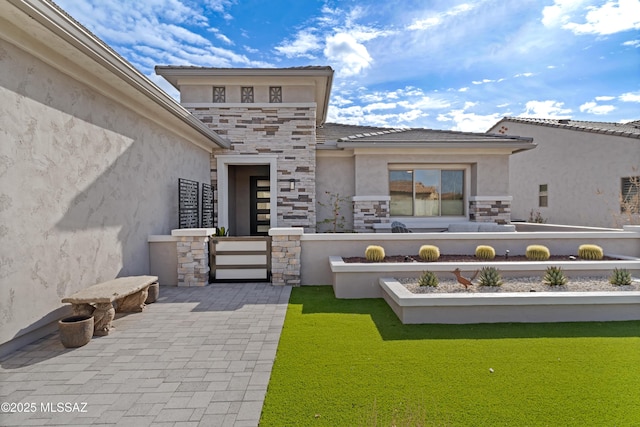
(193, 232)
(249, 104)
(370, 198)
(490, 198)
(160, 238)
(286, 231)
(223, 163)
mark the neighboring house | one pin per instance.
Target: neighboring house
(274, 119)
(582, 173)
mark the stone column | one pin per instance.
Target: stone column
(370, 210)
(193, 255)
(285, 255)
(490, 209)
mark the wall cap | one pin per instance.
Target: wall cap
(193, 232)
(286, 231)
(371, 198)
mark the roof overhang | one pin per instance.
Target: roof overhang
(320, 77)
(42, 29)
(509, 147)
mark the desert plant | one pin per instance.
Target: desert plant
(429, 252)
(374, 253)
(620, 277)
(590, 252)
(428, 278)
(537, 253)
(336, 204)
(490, 276)
(222, 232)
(554, 276)
(485, 252)
(536, 217)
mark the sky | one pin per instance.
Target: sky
(440, 64)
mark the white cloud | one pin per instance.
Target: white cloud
(560, 12)
(630, 97)
(612, 17)
(632, 43)
(593, 108)
(605, 98)
(523, 75)
(438, 18)
(380, 106)
(220, 36)
(302, 45)
(425, 103)
(350, 56)
(463, 89)
(469, 122)
(543, 109)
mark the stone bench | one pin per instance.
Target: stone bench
(129, 293)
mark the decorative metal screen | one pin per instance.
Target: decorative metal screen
(207, 206)
(218, 94)
(246, 94)
(275, 94)
(188, 203)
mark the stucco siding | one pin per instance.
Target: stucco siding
(583, 171)
(334, 175)
(84, 182)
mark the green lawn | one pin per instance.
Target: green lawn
(352, 363)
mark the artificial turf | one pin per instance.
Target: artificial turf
(353, 363)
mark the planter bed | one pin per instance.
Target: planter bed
(360, 280)
(463, 308)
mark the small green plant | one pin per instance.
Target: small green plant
(536, 217)
(429, 252)
(221, 232)
(537, 253)
(374, 253)
(593, 252)
(428, 278)
(554, 276)
(337, 204)
(490, 276)
(620, 277)
(485, 252)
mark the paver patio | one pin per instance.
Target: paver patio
(198, 356)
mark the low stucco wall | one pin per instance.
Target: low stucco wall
(163, 259)
(85, 181)
(317, 248)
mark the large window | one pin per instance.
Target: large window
(427, 192)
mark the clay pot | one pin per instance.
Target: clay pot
(75, 331)
(154, 292)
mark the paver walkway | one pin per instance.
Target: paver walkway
(197, 356)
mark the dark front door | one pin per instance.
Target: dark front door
(260, 206)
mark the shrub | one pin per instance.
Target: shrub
(554, 276)
(490, 276)
(590, 252)
(537, 253)
(374, 253)
(620, 277)
(429, 252)
(485, 252)
(428, 278)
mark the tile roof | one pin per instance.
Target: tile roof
(332, 132)
(629, 129)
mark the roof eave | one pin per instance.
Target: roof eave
(65, 28)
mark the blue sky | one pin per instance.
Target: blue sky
(404, 63)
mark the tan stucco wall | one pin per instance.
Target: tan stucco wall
(199, 93)
(489, 175)
(334, 174)
(84, 182)
(582, 170)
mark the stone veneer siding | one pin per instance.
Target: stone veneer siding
(490, 209)
(285, 256)
(368, 211)
(192, 249)
(289, 133)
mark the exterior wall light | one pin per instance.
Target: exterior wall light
(292, 184)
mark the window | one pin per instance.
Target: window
(427, 192)
(246, 94)
(218, 94)
(543, 196)
(630, 195)
(275, 94)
